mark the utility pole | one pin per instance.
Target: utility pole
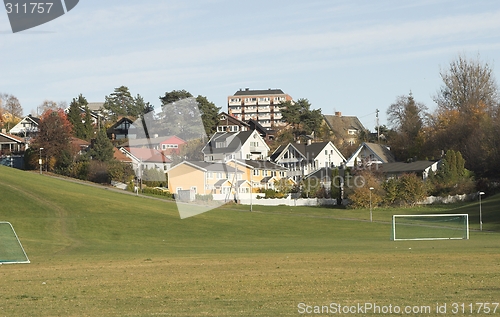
(378, 128)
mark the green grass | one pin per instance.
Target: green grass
(96, 252)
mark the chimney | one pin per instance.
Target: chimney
(4, 131)
(309, 141)
(247, 89)
(155, 136)
(338, 114)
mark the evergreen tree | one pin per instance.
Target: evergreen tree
(121, 103)
(82, 127)
(102, 148)
(88, 126)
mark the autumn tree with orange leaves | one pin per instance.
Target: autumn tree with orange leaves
(54, 137)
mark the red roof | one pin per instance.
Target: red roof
(148, 155)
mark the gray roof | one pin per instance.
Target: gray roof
(381, 151)
(308, 151)
(95, 106)
(214, 167)
(324, 173)
(261, 164)
(248, 92)
(401, 167)
(236, 139)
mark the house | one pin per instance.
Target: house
(168, 144)
(80, 146)
(229, 123)
(121, 157)
(301, 159)
(206, 178)
(321, 177)
(144, 158)
(122, 129)
(370, 153)
(421, 168)
(260, 173)
(345, 128)
(95, 112)
(225, 146)
(266, 133)
(27, 127)
(11, 144)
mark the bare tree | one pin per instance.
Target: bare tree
(406, 118)
(11, 105)
(469, 86)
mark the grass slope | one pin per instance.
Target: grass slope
(95, 252)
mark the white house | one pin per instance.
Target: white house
(147, 159)
(243, 145)
(27, 127)
(303, 159)
(370, 153)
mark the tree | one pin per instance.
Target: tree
(12, 107)
(102, 149)
(406, 117)
(209, 114)
(467, 105)
(186, 116)
(121, 103)
(82, 127)
(299, 115)
(50, 105)
(54, 133)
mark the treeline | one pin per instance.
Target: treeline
(466, 119)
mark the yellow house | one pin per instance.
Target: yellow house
(259, 173)
(205, 178)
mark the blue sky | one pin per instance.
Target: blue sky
(348, 56)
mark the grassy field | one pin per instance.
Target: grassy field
(96, 252)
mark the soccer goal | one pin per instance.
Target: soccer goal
(11, 250)
(430, 227)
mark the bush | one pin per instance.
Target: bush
(204, 197)
(156, 191)
(271, 193)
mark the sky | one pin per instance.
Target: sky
(349, 56)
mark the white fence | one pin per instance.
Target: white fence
(244, 199)
(259, 200)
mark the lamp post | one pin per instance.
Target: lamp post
(40, 160)
(371, 214)
(480, 212)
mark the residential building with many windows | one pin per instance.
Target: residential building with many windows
(262, 106)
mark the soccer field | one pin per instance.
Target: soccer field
(95, 252)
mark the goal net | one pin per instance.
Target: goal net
(430, 227)
(11, 250)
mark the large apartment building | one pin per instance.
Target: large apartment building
(262, 106)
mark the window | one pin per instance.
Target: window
(255, 172)
(221, 144)
(254, 144)
(210, 175)
(351, 132)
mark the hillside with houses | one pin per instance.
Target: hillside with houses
(263, 144)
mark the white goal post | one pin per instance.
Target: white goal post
(11, 249)
(430, 227)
